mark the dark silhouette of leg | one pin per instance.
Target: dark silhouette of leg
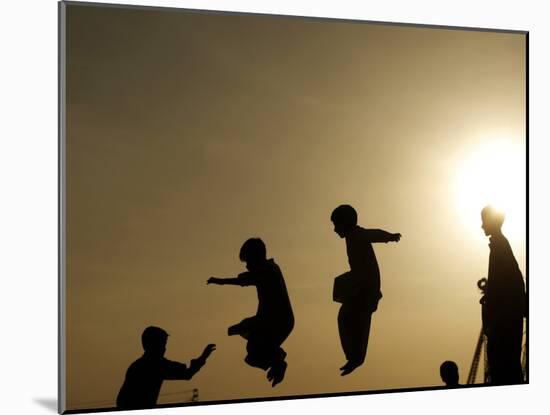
(269, 357)
(258, 351)
(363, 332)
(345, 329)
(504, 353)
(262, 349)
(243, 328)
(276, 373)
(265, 352)
(257, 360)
(354, 321)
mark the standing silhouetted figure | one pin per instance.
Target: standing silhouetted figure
(449, 373)
(274, 320)
(359, 289)
(144, 377)
(504, 304)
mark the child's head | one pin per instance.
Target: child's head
(153, 340)
(344, 218)
(449, 373)
(253, 252)
(491, 220)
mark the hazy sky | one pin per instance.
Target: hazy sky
(188, 133)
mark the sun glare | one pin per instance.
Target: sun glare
(494, 174)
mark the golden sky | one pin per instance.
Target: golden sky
(188, 133)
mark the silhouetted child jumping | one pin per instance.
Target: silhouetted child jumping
(359, 289)
(268, 329)
(504, 304)
(144, 377)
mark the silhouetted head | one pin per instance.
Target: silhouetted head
(344, 218)
(253, 253)
(154, 340)
(491, 220)
(449, 373)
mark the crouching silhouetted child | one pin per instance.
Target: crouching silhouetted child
(144, 377)
(268, 329)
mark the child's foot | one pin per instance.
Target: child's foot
(277, 373)
(345, 366)
(272, 370)
(349, 367)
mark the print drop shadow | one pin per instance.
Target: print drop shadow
(48, 403)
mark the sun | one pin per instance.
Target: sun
(493, 173)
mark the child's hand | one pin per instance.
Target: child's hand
(208, 351)
(212, 280)
(397, 237)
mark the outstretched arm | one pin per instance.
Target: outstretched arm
(198, 363)
(179, 371)
(223, 281)
(379, 235)
(246, 278)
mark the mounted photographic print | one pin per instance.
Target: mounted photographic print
(258, 207)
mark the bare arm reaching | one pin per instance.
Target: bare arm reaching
(223, 281)
(379, 235)
(176, 370)
(244, 279)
